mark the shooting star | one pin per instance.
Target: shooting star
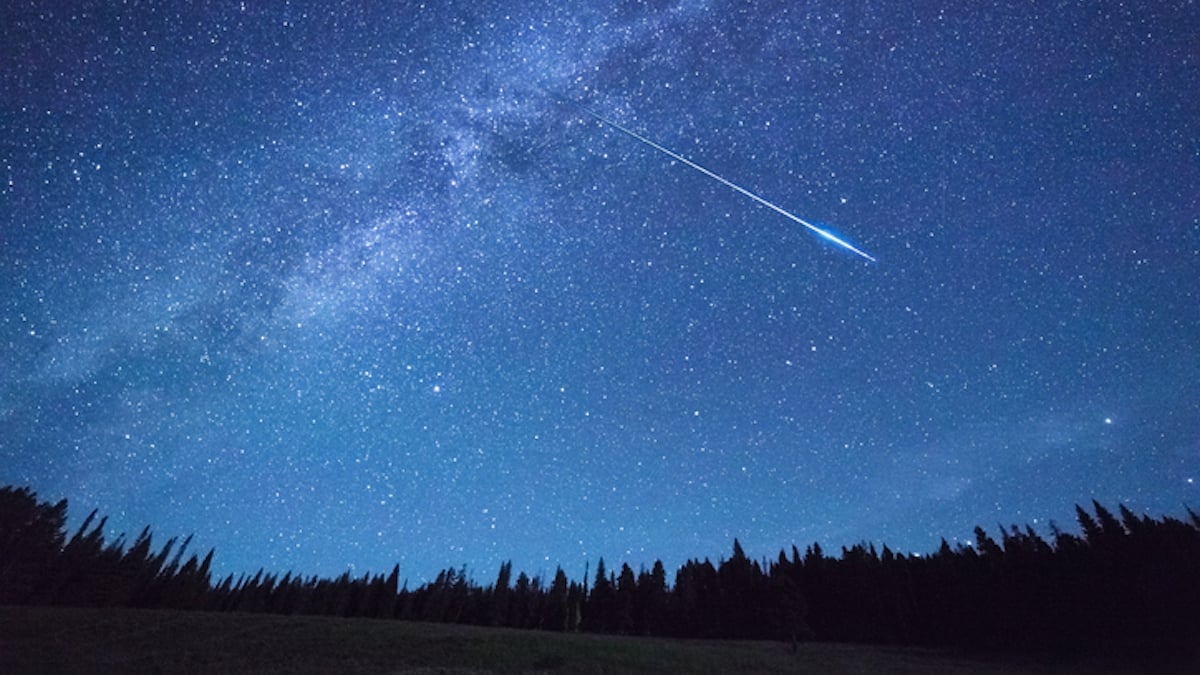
(824, 234)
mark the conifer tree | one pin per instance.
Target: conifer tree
(624, 602)
(556, 611)
(651, 606)
(1091, 531)
(500, 599)
(31, 536)
(597, 615)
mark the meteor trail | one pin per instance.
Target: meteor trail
(824, 234)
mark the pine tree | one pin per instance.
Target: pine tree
(650, 609)
(31, 536)
(387, 607)
(1091, 531)
(986, 545)
(738, 579)
(597, 615)
(1109, 526)
(625, 600)
(556, 611)
(500, 599)
(519, 615)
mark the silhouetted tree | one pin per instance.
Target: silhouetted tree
(624, 601)
(556, 611)
(1125, 583)
(598, 608)
(651, 606)
(500, 599)
(31, 538)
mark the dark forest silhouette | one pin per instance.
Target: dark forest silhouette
(1130, 583)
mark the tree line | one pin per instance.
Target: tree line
(1129, 582)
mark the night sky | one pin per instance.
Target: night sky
(337, 287)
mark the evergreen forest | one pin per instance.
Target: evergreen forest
(1128, 582)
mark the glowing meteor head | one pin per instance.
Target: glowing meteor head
(831, 237)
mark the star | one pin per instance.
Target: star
(250, 285)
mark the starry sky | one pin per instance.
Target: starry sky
(343, 285)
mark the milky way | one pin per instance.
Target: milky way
(340, 287)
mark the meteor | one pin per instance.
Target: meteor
(824, 234)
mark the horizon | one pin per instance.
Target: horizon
(481, 575)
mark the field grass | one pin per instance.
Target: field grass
(68, 640)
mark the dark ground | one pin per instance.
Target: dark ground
(98, 641)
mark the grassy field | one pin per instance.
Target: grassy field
(65, 640)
